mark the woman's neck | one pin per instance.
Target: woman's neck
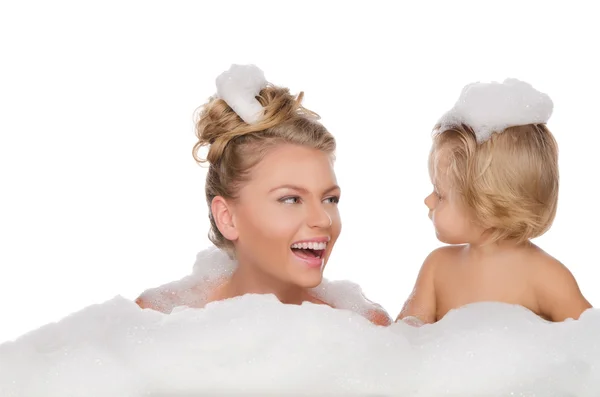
(250, 280)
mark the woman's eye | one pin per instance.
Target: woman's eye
(333, 200)
(290, 200)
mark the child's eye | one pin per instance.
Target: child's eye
(290, 200)
(333, 199)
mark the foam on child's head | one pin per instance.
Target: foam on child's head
(493, 107)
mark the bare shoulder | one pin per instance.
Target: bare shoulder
(154, 299)
(441, 258)
(379, 316)
(545, 267)
(446, 252)
(422, 301)
(556, 289)
(164, 298)
(374, 312)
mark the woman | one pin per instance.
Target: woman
(272, 194)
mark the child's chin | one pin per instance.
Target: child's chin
(448, 240)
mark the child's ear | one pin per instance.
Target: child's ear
(222, 212)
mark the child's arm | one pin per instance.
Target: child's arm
(558, 293)
(422, 302)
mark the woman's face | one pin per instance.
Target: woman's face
(286, 216)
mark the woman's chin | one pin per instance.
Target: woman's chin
(310, 279)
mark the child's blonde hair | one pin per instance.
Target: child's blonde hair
(509, 183)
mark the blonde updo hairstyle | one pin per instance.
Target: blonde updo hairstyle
(235, 147)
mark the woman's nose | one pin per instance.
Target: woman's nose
(319, 217)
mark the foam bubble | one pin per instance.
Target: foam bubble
(239, 86)
(493, 107)
(343, 294)
(254, 345)
(213, 266)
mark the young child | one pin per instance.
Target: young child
(494, 169)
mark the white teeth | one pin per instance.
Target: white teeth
(310, 245)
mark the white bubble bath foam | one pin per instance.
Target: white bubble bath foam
(255, 346)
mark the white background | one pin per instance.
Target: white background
(100, 195)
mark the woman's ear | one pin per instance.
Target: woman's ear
(222, 212)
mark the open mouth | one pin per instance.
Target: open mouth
(309, 251)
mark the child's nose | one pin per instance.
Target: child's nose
(429, 201)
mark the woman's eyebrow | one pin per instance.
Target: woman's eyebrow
(302, 189)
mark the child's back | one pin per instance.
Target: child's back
(522, 275)
(494, 167)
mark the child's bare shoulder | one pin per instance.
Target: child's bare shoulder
(443, 256)
(422, 301)
(556, 289)
(440, 261)
(544, 265)
(544, 268)
(445, 253)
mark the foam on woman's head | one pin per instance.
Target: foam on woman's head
(239, 86)
(493, 107)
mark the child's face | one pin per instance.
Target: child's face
(452, 223)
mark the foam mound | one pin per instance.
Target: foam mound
(256, 346)
(493, 107)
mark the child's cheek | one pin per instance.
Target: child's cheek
(438, 219)
(442, 220)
